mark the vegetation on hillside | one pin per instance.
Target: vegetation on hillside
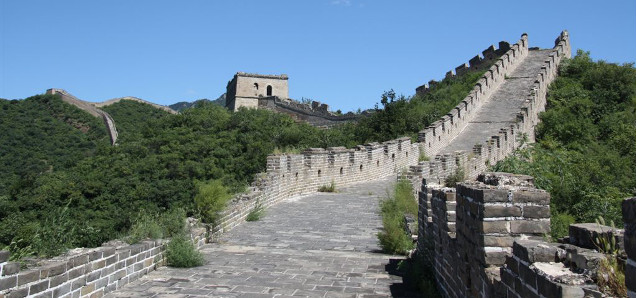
(585, 150)
(65, 186)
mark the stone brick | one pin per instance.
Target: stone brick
(62, 290)
(79, 260)
(8, 282)
(95, 255)
(4, 256)
(52, 270)
(28, 276)
(530, 227)
(18, 293)
(39, 287)
(494, 257)
(537, 197)
(494, 196)
(58, 280)
(10, 268)
(77, 271)
(93, 276)
(87, 289)
(501, 227)
(536, 212)
(497, 241)
(501, 211)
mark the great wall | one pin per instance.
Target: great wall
(483, 238)
(93, 108)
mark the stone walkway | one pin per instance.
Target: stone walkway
(503, 105)
(320, 245)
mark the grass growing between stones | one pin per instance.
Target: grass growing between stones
(393, 239)
(256, 213)
(328, 188)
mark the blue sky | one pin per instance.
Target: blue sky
(341, 52)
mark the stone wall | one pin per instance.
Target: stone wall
(486, 239)
(488, 56)
(288, 175)
(440, 133)
(89, 108)
(86, 272)
(316, 114)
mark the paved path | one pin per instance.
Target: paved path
(502, 106)
(321, 245)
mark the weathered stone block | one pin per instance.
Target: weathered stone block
(28, 276)
(501, 227)
(39, 287)
(584, 234)
(499, 241)
(537, 197)
(501, 211)
(53, 270)
(62, 290)
(536, 212)
(58, 280)
(494, 196)
(8, 282)
(18, 293)
(10, 268)
(530, 227)
(4, 256)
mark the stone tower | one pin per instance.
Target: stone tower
(245, 89)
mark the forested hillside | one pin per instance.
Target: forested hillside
(162, 161)
(585, 150)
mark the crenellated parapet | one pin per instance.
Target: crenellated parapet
(486, 238)
(290, 175)
(512, 133)
(489, 55)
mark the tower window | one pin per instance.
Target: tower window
(256, 86)
(269, 90)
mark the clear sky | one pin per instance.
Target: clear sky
(341, 52)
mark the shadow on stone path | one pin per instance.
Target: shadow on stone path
(318, 245)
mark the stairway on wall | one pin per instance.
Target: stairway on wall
(502, 107)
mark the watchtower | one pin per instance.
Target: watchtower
(245, 89)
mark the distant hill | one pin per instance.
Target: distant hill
(182, 105)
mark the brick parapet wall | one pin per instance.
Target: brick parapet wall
(488, 56)
(510, 137)
(498, 248)
(289, 175)
(438, 135)
(91, 273)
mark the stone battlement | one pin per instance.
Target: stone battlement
(488, 56)
(485, 238)
(513, 132)
(263, 76)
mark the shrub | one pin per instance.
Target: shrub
(328, 188)
(55, 235)
(180, 252)
(393, 238)
(453, 179)
(173, 222)
(144, 226)
(211, 198)
(559, 225)
(256, 213)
